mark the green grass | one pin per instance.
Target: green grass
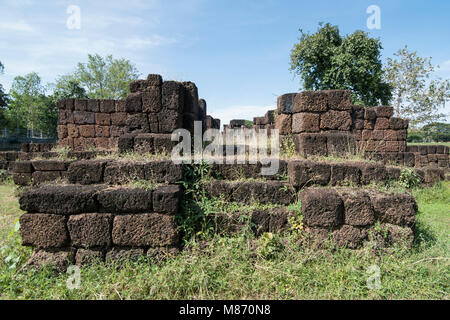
(231, 268)
(428, 143)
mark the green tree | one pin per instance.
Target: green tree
(105, 77)
(29, 106)
(67, 87)
(417, 95)
(326, 60)
(4, 99)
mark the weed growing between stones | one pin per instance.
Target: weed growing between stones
(287, 147)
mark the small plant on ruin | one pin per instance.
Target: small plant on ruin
(62, 152)
(408, 179)
(287, 148)
(296, 221)
(269, 245)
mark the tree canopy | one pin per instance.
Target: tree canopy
(29, 106)
(105, 77)
(417, 95)
(326, 60)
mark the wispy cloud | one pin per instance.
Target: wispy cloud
(16, 26)
(137, 42)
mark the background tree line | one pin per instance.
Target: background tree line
(31, 105)
(326, 60)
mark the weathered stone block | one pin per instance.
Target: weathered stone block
(302, 173)
(125, 200)
(305, 122)
(358, 210)
(87, 131)
(107, 106)
(321, 207)
(166, 199)
(86, 171)
(142, 230)
(103, 119)
(399, 209)
(137, 123)
(285, 103)
(173, 96)
(335, 120)
(151, 99)
(83, 117)
(133, 102)
(90, 230)
(310, 101)
(43, 230)
(310, 144)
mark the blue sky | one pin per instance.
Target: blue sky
(236, 51)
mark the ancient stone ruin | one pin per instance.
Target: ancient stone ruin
(95, 203)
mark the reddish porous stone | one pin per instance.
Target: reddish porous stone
(307, 144)
(285, 103)
(133, 102)
(349, 236)
(284, 124)
(86, 171)
(310, 101)
(141, 230)
(358, 210)
(151, 99)
(90, 230)
(125, 200)
(339, 99)
(305, 122)
(167, 199)
(88, 256)
(345, 174)
(336, 120)
(173, 96)
(137, 123)
(43, 230)
(60, 259)
(399, 209)
(302, 173)
(384, 111)
(321, 207)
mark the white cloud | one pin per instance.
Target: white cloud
(17, 26)
(137, 42)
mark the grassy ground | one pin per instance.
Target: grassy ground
(429, 143)
(229, 268)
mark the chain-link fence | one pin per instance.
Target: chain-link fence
(11, 139)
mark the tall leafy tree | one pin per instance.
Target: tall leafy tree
(4, 99)
(105, 77)
(29, 106)
(326, 60)
(417, 95)
(67, 87)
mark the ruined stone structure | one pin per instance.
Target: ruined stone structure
(153, 107)
(83, 207)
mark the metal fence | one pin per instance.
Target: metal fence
(11, 139)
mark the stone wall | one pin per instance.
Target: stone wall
(430, 155)
(69, 223)
(153, 106)
(325, 122)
